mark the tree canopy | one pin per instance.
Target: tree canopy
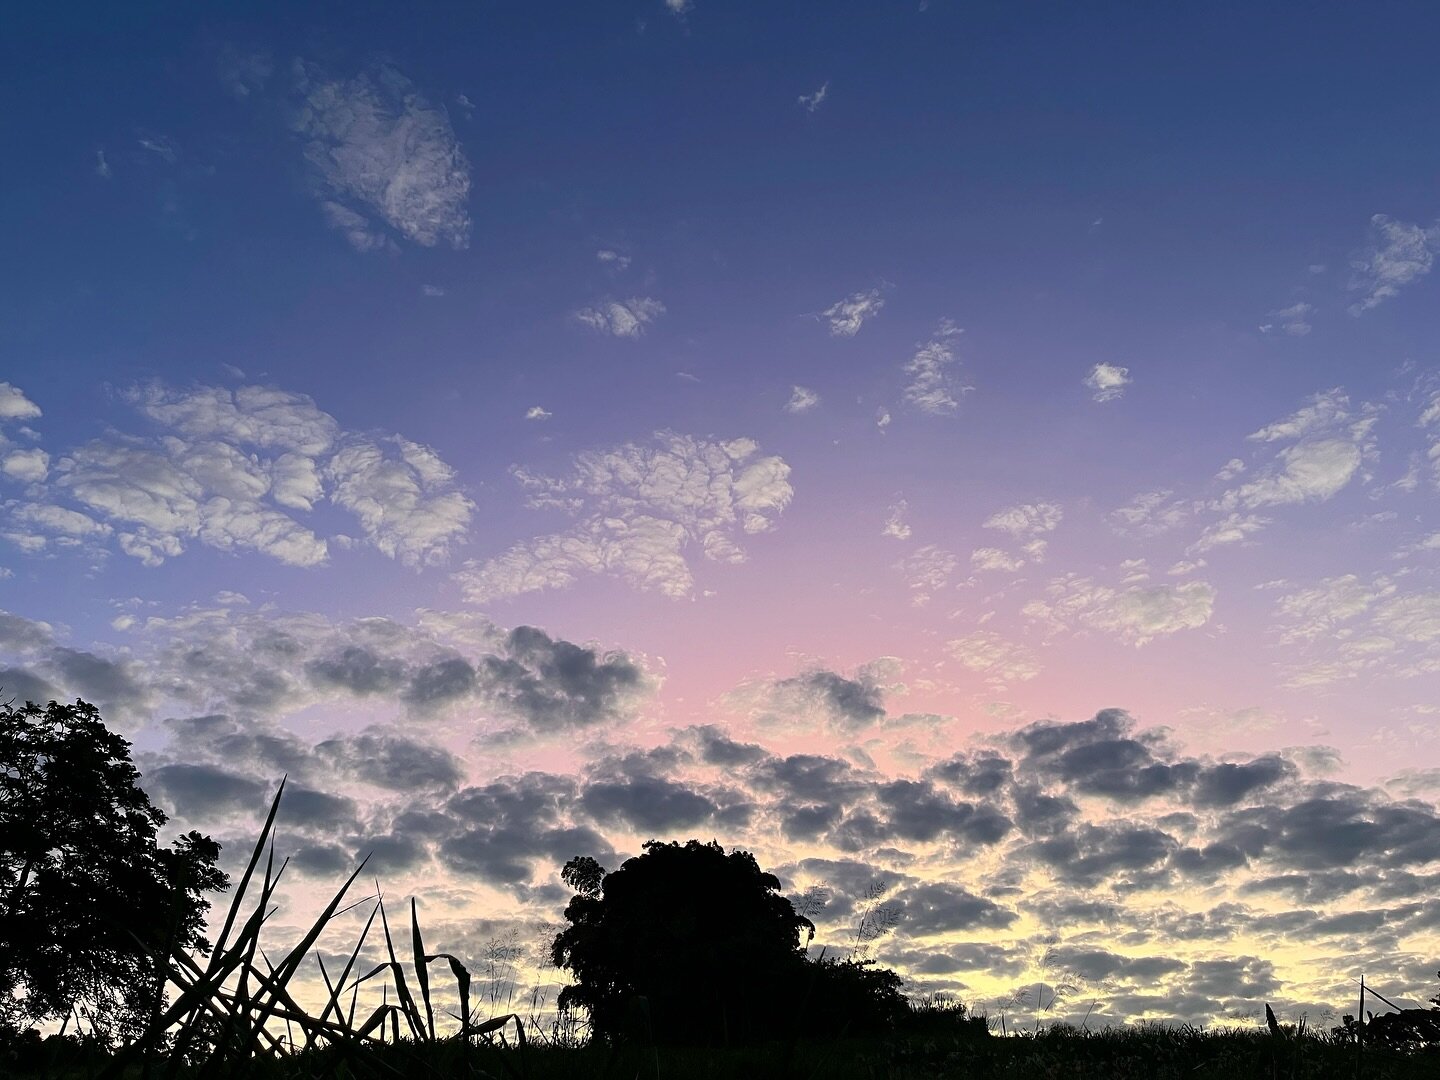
(87, 893)
(688, 944)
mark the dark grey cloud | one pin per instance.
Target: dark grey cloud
(198, 792)
(939, 908)
(647, 804)
(392, 761)
(918, 811)
(852, 703)
(556, 684)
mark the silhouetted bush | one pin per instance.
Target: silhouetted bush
(686, 944)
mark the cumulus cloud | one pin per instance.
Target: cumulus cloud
(382, 156)
(848, 315)
(29, 466)
(1107, 382)
(621, 318)
(232, 469)
(639, 513)
(14, 405)
(1397, 255)
(843, 703)
(1234, 529)
(933, 387)
(801, 400)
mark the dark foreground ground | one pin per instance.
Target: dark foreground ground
(1116, 1054)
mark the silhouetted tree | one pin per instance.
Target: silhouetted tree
(88, 897)
(688, 944)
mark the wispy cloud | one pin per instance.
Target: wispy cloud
(895, 525)
(933, 387)
(1293, 320)
(535, 412)
(1398, 254)
(1107, 382)
(383, 156)
(639, 513)
(847, 316)
(621, 318)
(802, 399)
(811, 102)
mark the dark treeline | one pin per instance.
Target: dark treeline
(686, 954)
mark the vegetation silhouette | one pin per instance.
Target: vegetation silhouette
(687, 944)
(88, 896)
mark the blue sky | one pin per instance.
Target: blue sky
(566, 396)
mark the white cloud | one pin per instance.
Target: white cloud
(1108, 381)
(1027, 519)
(639, 511)
(989, 558)
(680, 7)
(233, 465)
(895, 526)
(30, 466)
(1137, 614)
(409, 506)
(927, 570)
(535, 412)
(432, 290)
(1319, 610)
(14, 405)
(848, 315)
(801, 400)
(1293, 320)
(988, 653)
(627, 318)
(882, 418)
(811, 102)
(1329, 445)
(1235, 529)
(379, 149)
(613, 259)
(1397, 255)
(932, 389)
(1150, 514)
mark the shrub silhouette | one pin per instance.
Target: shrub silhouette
(87, 895)
(686, 944)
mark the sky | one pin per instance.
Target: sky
(990, 453)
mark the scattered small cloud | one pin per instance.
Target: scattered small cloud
(1293, 320)
(102, 167)
(432, 290)
(895, 525)
(813, 101)
(613, 259)
(847, 316)
(621, 318)
(535, 412)
(1398, 254)
(801, 400)
(1107, 382)
(933, 387)
(14, 405)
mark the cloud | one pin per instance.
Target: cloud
(1026, 520)
(29, 466)
(640, 511)
(613, 259)
(1397, 255)
(895, 526)
(1107, 382)
(1137, 614)
(1234, 529)
(1150, 514)
(839, 702)
(1293, 320)
(848, 315)
(535, 412)
(379, 150)
(1329, 443)
(1347, 626)
(14, 405)
(932, 387)
(233, 468)
(679, 8)
(988, 653)
(811, 102)
(927, 570)
(801, 400)
(627, 318)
